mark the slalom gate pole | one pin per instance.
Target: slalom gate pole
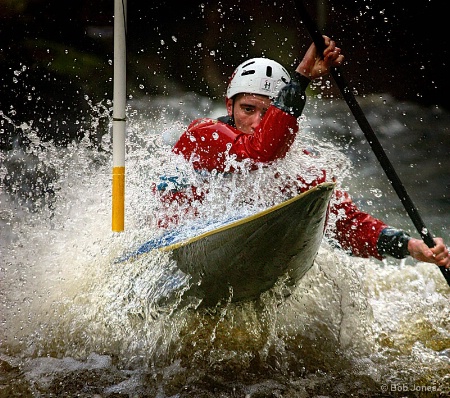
(119, 119)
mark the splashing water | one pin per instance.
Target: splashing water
(76, 322)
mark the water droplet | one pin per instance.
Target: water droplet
(376, 192)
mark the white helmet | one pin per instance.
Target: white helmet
(258, 76)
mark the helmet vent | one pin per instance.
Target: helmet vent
(248, 72)
(247, 64)
(269, 71)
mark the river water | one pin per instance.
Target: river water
(76, 323)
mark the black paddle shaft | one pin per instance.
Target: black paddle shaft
(370, 135)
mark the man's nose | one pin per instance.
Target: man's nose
(257, 118)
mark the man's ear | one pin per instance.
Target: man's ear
(229, 103)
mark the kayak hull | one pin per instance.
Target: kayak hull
(243, 259)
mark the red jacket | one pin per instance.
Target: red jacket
(208, 143)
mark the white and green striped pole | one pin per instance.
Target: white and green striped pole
(119, 120)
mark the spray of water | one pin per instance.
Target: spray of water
(64, 296)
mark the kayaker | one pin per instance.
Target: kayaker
(263, 103)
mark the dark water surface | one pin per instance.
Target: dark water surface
(74, 323)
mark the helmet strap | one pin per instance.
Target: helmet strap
(232, 122)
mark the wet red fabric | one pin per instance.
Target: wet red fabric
(207, 142)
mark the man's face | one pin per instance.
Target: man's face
(248, 111)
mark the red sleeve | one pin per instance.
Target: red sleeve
(356, 230)
(181, 199)
(272, 139)
(207, 143)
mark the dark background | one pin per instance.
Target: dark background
(56, 56)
